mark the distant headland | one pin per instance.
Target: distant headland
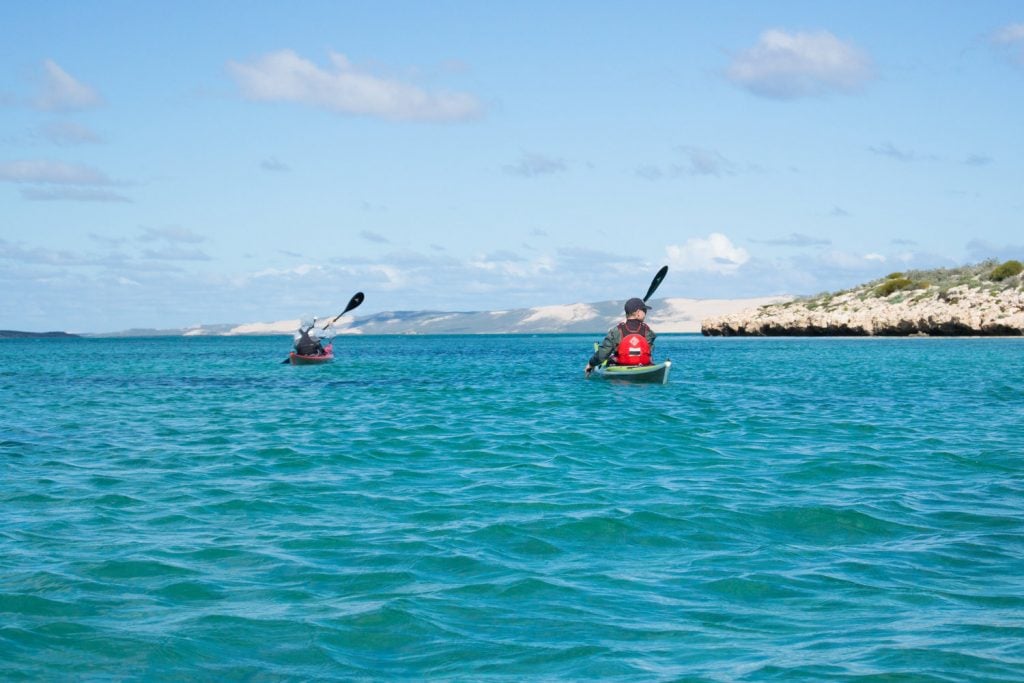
(985, 299)
(672, 315)
(15, 334)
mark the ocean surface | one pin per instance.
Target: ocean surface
(470, 508)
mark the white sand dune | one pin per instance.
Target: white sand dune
(570, 313)
(667, 315)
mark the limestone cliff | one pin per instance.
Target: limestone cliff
(986, 299)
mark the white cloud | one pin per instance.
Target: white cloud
(171, 234)
(794, 239)
(62, 92)
(698, 161)
(1011, 38)
(284, 76)
(51, 173)
(979, 250)
(511, 265)
(890, 150)
(375, 237)
(1011, 33)
(393, 278)
(705, 162)
(978, 160)
(531, 165)
(714, 253)
(72, 194)
(790, 65)
(274, 165)
(172, 253)
(66, 133)
(275, 274)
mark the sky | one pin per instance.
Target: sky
(169, 164)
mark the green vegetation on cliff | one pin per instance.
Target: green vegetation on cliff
(989, 275)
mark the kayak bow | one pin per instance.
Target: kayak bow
(651, 374)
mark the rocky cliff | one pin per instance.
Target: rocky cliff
(986, 299)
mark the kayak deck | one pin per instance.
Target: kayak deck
(650, 374)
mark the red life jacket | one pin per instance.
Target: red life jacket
(633, 349)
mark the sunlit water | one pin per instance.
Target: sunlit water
(471, 508)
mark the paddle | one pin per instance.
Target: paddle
(655, 282)
(353, 303)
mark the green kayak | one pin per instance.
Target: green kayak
(652, 374)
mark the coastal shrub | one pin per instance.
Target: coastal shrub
(1006, 269)
(893, 284)
(894, 276)
(897, 284)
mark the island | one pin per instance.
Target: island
(16, 334)
(984, 299)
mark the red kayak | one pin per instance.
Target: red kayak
(326, 357)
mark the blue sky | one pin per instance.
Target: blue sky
(171, 164)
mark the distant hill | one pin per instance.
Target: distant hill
(984, 299)
(15, 334)
(667, 315)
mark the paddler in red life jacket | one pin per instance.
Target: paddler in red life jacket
(629, 343)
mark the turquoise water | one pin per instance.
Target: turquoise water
(470, 508)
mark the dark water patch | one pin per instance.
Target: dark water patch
(116, 570)
(20, 605)
(185, 592)
(116, 501)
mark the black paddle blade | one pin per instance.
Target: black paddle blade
(655, 282)
(353, 302)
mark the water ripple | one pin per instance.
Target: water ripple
(784, 509)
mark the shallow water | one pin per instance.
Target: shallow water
(470, 508)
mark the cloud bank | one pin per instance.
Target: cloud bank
(51, 172)
(341, 87)
(59, 181)
(714, 253)
(788, 66)
(161, 279)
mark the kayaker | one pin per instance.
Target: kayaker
(631, 342)
(307, 344)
